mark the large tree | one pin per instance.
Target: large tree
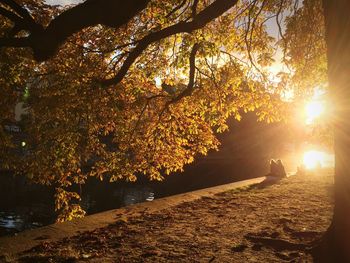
(337, 22)
(94, 107)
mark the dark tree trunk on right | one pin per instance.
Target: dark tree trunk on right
(337, 19)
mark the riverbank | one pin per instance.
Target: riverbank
(24, 205)
(268, 222)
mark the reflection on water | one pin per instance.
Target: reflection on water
(150, 197)
(11, 222)
(24, 206)
(134, 194)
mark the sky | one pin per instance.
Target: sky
(62, 2)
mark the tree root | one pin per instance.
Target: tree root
(277, 244)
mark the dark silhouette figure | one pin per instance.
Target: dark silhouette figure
(277, 168)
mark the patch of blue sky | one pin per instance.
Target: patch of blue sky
(63, 2)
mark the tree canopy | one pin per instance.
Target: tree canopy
(118, 89)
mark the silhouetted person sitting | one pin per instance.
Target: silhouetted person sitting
(277, 168)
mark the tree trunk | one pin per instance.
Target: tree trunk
(337, 19)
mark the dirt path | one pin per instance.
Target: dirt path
(261, 223)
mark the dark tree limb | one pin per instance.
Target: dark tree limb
(45, 42)
(176, 8)
(14, 42)
(20, 17)
(18, 9)
(10, 15)
(210, 13)
(194, 8)
(190, 86)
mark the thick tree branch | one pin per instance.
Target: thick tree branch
(194, 8)
(19, 16)
(14, 42)
(19, 22)
(45, 42)
(176, 8)
(190, 86)
(18, 9)
(13, 17)
(213, 11)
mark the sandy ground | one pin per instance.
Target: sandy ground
(261, 223)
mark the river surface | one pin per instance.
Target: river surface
(26, 206)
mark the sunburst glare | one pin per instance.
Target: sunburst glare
(314, 110)
(317, 159)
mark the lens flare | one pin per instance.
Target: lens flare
(313, 159)
(314, 110)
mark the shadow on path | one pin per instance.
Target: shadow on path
(270, 180)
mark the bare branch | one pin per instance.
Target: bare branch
(278, 22)
(13, 17)
(176, 8)
(213, 78)
(255, 20)
(190, 86)
(148, 100)
(19, 22)
(18, 9)
(194, 8)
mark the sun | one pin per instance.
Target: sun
(314, 110)
(314, 159)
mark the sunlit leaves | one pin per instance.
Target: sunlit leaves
(305, 46)
(77, 128)
(65, 204)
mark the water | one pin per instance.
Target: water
(25, 206)
(11, 222)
